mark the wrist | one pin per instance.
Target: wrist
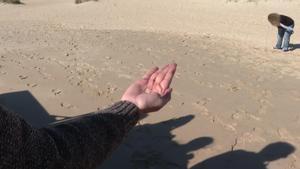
(141, 107)
(132, 101)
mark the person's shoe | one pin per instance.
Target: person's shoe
(277, 48)
(285, 49)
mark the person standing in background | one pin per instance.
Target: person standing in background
(285, 27)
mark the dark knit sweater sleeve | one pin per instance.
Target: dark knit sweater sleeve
(78, 143)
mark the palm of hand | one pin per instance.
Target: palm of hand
(153, 91)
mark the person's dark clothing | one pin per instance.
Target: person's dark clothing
(287, 21)
(79, 143)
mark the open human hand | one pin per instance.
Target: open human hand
(153, 91)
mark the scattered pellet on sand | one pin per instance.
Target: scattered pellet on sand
(32, 84)
(23, 77)
(67, 105)
(56, 91)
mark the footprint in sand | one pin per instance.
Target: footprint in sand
(263, 100)
(284, 134)
(249, 137)
(242, 114)
(217, 120)
(201, 106)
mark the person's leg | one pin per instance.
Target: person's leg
(286, 42)
(286, 39)
(279, 38)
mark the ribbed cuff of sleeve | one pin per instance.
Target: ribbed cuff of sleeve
(129, 111)
(124, 108)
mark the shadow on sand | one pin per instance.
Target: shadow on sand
(152, 146)
(294, 47)
(24, 103)
(241, 159)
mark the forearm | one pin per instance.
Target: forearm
(88, 140)
(81, 143)
(286, 27)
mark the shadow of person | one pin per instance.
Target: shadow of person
(25, 104)
(240, 159)
(294, 46)
(153, 146)
(14, 2)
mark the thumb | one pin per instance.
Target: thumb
(167, 92)
(167, 95)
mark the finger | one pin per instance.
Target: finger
(167, 96)
(167, 91)
(149, 73)
(162, 74)
(156, 88)
(155, 83)
(165, 83)
(152, 80)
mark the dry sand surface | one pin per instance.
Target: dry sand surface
(233, 95)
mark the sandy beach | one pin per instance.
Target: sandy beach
(232, 92)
